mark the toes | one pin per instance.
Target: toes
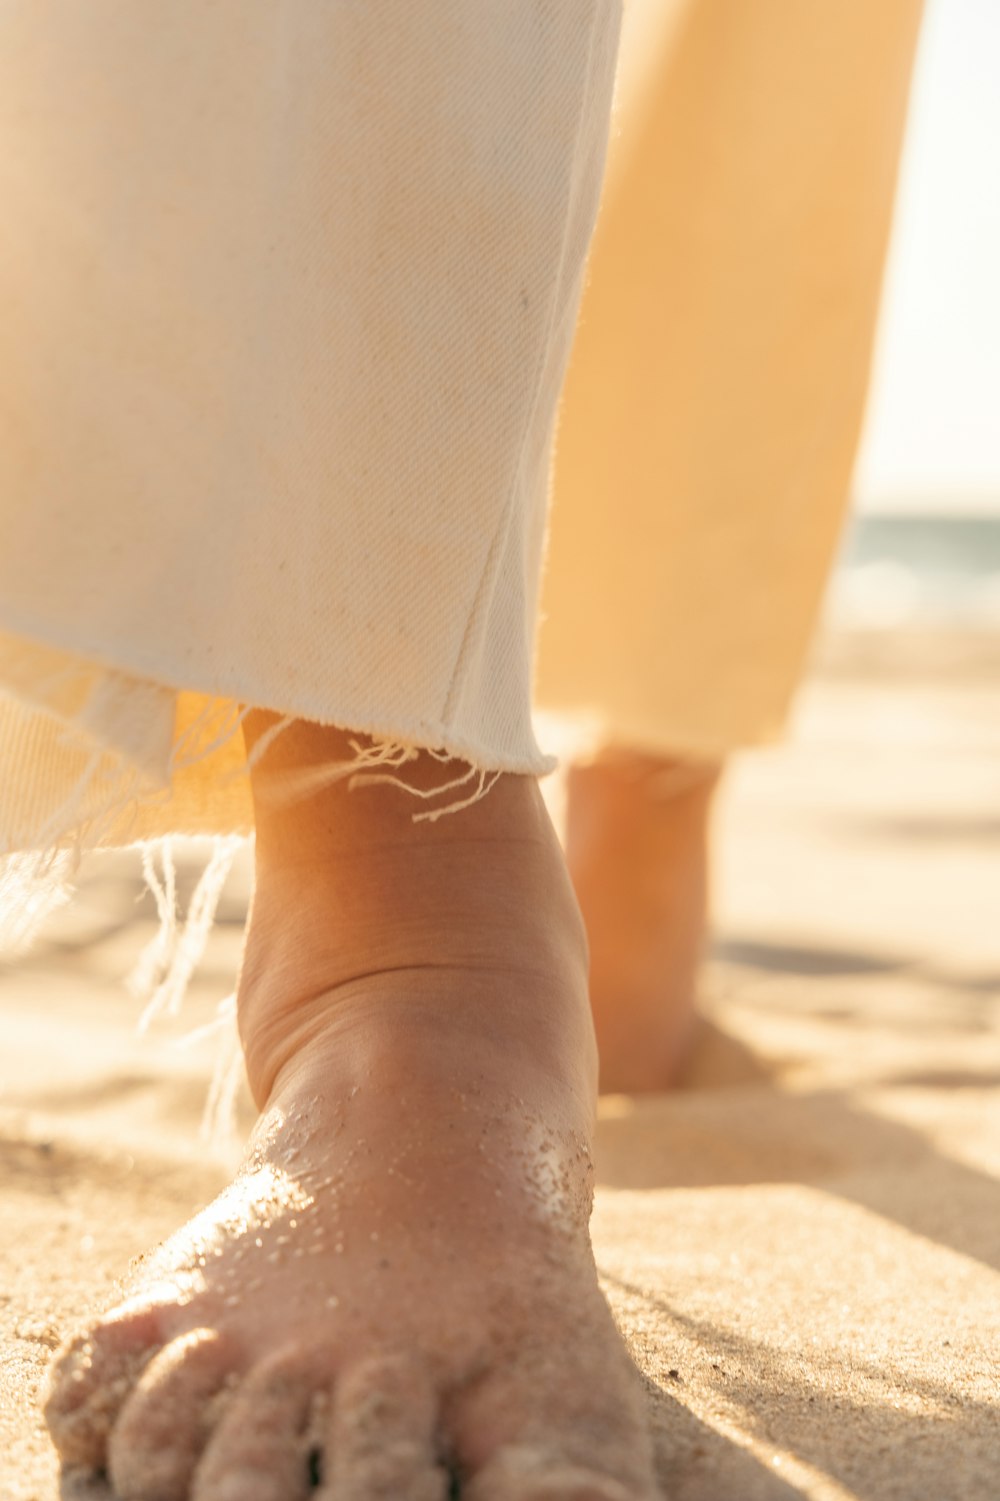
(159, 1436)
(89, 1381)
(381, 1444)
(260, 1450)
(527, 1474)
(541, 1427)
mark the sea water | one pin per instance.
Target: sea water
(928, 569)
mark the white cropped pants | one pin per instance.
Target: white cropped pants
(287, 293)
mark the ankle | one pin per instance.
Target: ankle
(638, 848)
(368, 927)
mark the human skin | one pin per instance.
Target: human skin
(637, 845)
(397, 1294)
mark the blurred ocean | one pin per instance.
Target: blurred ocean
(920, 570)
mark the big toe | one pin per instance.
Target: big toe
(90, 1380)
(161, 1431)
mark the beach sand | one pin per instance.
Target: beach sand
(802, 1247)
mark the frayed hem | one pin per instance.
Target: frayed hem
(39, 866)
(107, 806)
(376, 765)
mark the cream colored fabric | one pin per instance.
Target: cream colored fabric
(286, 295)
(717, 385)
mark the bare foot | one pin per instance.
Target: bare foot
(637, 847)
(396, 1298)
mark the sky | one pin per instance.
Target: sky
(932, 438)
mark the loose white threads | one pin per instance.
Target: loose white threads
(166, 965)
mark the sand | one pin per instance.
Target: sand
(802, 1247)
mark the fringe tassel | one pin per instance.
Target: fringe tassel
(365, 769)
(264, 743)
(181, 757)
(306, 782)
(487, 781)
(154, 961)
(32, 887)
(70, 827)
(164, 970)
(168, 962)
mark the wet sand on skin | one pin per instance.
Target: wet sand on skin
(803, 1248)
